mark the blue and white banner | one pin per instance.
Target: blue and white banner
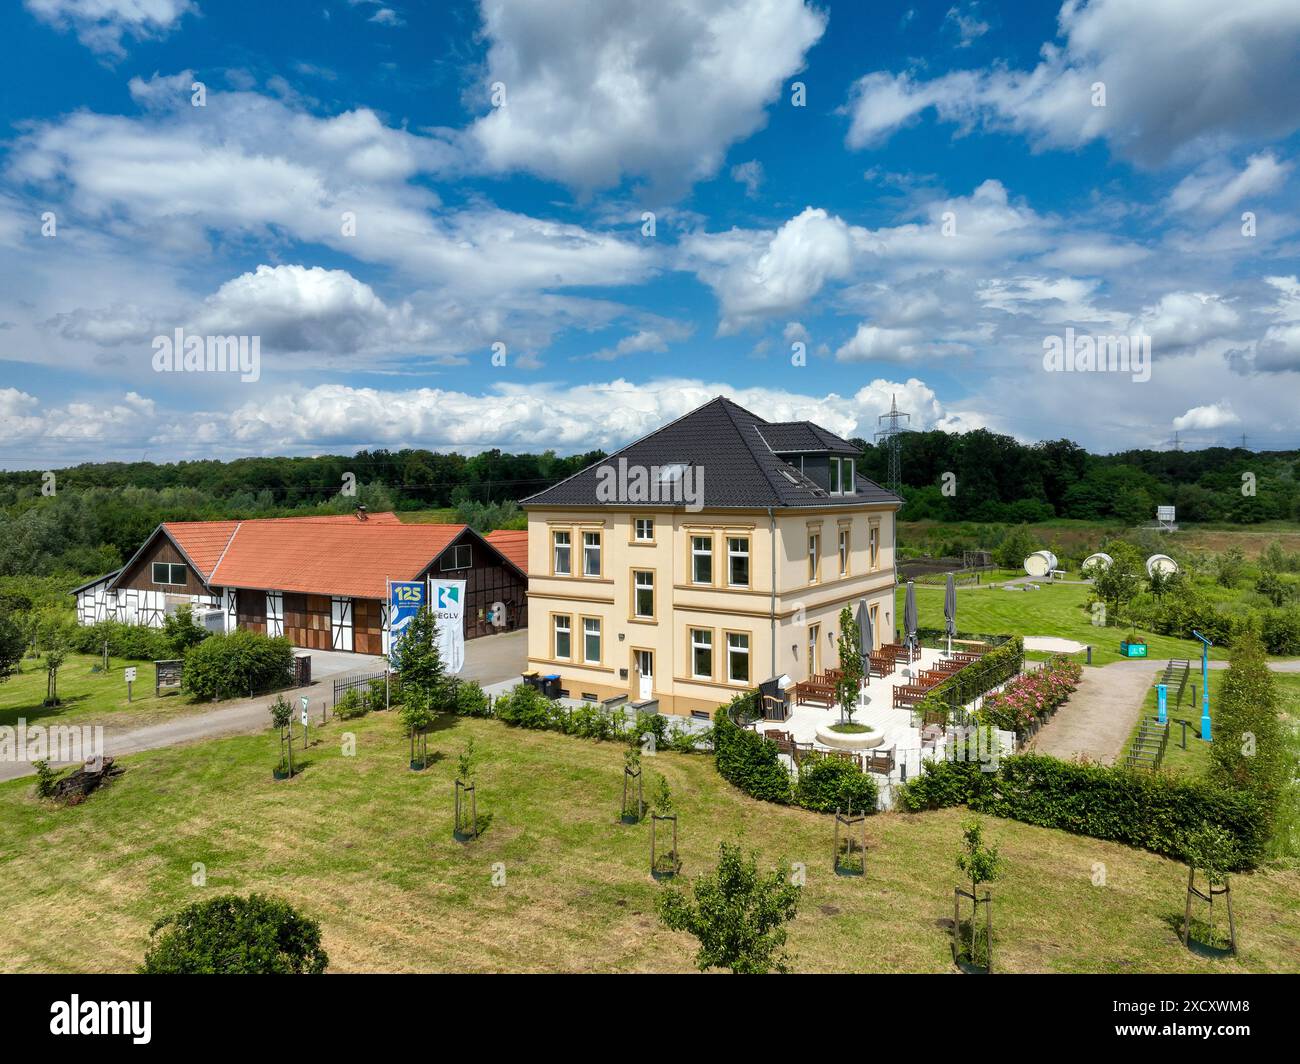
(405, 597)
(448, 606)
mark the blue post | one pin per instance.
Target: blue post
(1205, 687)
(1162, 702)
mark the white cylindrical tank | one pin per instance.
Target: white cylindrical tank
(1101, 560)
(1040, 563)
(1162, 562)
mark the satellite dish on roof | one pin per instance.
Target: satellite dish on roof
(1100, 560)
(1040, 563)
(1163, 562)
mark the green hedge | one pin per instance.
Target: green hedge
(996, 667)
(135, 642)
(751, 763)
(237, 664)
(1152, 811)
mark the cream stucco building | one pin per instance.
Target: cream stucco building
(707, 556)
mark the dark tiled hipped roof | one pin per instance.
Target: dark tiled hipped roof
(733, 451)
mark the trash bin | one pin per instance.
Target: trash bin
(551, 685)
(532, 679)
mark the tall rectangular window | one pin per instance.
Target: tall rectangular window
(737, 561)
(591, 554)
(738, 657)
(591, 640)
(563, 637)
(850, 476)
(701, 559)
(645, 529)
(814, 553)
(835, 476)
(643, 593)
(561, 565)
(844, 552)
(701, 653)
(874, 547)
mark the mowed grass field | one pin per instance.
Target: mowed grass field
(365, 846)
(1053, 610)
(88, 695)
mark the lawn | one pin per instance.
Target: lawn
(443, 516)
(87, 694)
(1053, 610)
(365, 846)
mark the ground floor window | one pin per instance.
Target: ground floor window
(563, 637)
(702, 653)
(591, 639)
(738, 657)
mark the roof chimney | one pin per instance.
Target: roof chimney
(361, 512)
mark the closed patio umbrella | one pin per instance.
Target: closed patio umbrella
(866, 638)
(950, 610)
(909, 615)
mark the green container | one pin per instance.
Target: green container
(1132, 650)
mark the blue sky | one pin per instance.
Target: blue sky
(921, 195)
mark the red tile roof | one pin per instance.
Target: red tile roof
(513, 543)
(355, 560)
(206, 541)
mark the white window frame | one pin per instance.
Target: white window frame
(873, 545)
(565, 622)
(814, 557)
(639, 586)
(738, 651)
(587, 550)
(649, 523)
(836, 488)
(587, 625)
(850, 487)
(705, 644)
(732, 553)
(446, 564)
(845, 547)
(169, 582)
(697, 553)
(556, 546)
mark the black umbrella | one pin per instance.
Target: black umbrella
(950, 610)
(909, 615)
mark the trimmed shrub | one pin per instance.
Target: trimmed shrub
(471, 701)
(230, 935)
(352, 705)
(135, 642)
(238, 663)
(526, 707)
(748, 761)
(831, 783)
(1152, 811)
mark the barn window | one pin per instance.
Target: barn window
(458, 557)
(169, 573)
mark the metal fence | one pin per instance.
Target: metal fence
(362, 680)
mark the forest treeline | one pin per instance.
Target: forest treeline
(100, 512)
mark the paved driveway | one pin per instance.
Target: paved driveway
(489, 659)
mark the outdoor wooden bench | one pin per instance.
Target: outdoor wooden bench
(906, 696)
(881, 664)
(813, 693)
(881, 761)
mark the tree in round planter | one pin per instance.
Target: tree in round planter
(737, 914)
(849, 685)
(282, 722)
(664, 861)
(467, 822)
(1214, 851)
(233, 935)
(417, 718)
(982, 864)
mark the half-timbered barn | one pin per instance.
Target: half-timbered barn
(320, 581)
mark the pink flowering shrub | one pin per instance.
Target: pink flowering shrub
(1030, 698)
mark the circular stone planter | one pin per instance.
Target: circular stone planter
(848, 740)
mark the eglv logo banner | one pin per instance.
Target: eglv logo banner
(405, 598)
(448, 598)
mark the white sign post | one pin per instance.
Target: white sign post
(130, 679)
(302, 715)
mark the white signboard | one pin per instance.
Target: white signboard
(1164, 513)
(302, 707)
(130, 674)
(447, 603)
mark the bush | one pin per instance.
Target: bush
(1031, 697)
(471, 701)
(182, 632)
(281, 713)
(830, 783)
(351, 705)
(526, 707)
(231, 935)
(238, 663)
(46, 778)
(135, 642)
(1152, 811)
(748, 761)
